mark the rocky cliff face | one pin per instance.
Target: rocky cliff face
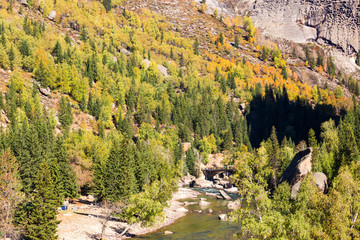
(326, 21)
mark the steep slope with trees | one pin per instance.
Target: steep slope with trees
(99, 97)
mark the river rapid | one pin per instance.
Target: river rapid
(199, 223)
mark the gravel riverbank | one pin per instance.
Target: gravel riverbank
(86, 221)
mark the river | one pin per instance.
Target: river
(199, 224)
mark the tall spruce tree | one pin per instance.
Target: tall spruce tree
(120, 177)
(65, 113)
(190, 161)
(66, 177)
(108, 5)
(38, 217)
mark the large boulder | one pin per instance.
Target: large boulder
(188, 179)
(163, 70)
(186, 146)
(320, 180)
(52, 15)
(201, 183)
(223, 217)
(24, 3)
(182, 209)
(146, 63)
(299, 167)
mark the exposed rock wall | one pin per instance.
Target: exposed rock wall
(327, 21)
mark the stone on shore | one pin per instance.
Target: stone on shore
(235, 205)
(182, 209)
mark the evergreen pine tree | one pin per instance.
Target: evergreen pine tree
(320, 60)
(11, 57)
(101, 129)
(227, 143)
(2, 105)
(57, 52)
(83, 103)
(120, 178)
(284, 72)
(24, 48)
(172, 54)
(67, 38)
(190, 161)
(38, 217)
(3, 39)
(237, 43)
(221, 38)
(182, 61)
(178, 153)
(108, 5)
(196, 46)
(65, 112)
(223, 84)
(67, 178)
(264, 54)
(83, 36)
(273, 152)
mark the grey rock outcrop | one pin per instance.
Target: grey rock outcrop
(24, 3)
(298, 169)
(52, 15)
(321, 181)
(163, 70)
(332, 22)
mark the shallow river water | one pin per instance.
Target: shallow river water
(199, 225)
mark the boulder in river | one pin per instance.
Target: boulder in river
(232, 190)
(223, 217)
(211, 194)
(201, 183)
(168, 232)
(204, 203)
(190, 203)
(224, 195)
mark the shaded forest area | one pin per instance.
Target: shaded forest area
(292, 119)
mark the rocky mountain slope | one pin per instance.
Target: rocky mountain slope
(332, 22)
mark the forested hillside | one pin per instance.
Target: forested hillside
(97, 98)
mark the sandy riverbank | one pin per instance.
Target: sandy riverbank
(86, 222)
